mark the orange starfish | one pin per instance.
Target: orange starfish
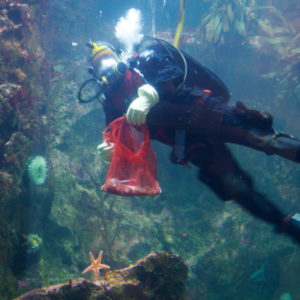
(95, 265)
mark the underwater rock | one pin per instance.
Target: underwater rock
(157, 276)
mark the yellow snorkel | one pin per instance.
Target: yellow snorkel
(180, 24)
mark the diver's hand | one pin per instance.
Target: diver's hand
(106, 151)
(139, 108)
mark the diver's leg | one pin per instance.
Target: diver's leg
(220, 171)
(237, 125)
(241, 130)
(281, 144)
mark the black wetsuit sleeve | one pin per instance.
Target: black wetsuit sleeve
(167, 70)
(159, 70)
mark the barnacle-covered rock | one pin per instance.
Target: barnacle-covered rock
(7, 114)
(157, 276)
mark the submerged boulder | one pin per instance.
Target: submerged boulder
(158, 276)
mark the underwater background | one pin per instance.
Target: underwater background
(52, 209)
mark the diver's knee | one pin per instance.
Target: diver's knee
(199, 154)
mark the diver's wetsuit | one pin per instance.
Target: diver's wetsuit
(194, 118)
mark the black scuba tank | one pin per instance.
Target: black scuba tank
(201, 77)
(192, 75)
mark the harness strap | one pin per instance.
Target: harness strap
(177, 155)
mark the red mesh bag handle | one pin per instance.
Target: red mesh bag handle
(133, 169)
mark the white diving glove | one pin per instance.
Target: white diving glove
(139, 108)
(106, 151)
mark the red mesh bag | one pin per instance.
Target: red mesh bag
(133, 169)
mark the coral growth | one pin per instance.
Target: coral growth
(23, 86)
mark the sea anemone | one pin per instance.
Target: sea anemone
(37, 170)
(33, 243)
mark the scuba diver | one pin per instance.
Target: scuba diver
(185, 106)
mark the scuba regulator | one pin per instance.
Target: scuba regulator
(107, 69)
